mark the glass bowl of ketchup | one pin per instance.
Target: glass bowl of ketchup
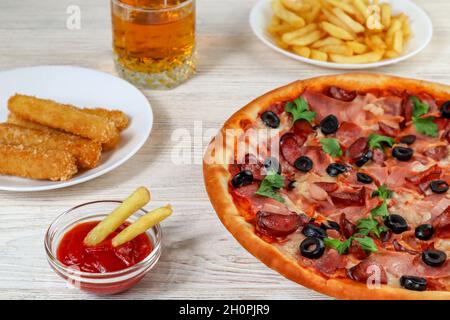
(101, 269)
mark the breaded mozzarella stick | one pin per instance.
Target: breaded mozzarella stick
(64, 117)
(36, 163)
(87, 152)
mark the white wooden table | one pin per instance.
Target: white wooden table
(200, 258)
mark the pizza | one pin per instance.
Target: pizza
(347, 193)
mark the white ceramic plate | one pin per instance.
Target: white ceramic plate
(85, 88)
(422, 32)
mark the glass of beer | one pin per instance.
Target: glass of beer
(154, 41)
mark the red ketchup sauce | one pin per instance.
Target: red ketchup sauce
(103, 257)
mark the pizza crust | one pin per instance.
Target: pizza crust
(216, 178)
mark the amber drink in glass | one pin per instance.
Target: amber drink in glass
(154, 41)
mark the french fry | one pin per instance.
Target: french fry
(361, 7)
(281, 12)
(312, 14)
(338, 49)
(307, 39)
(342, 5)
(397, 45)
(377, 43)
(302, 51)
(115, 219)
(406, 29)
(326, 42)
(141, 225)
(396, 25)
(289, 36)
(336, 31)
(352, 24)
(369, 57)
(386, 14)
(318, 55)
(391, 54)
(296, 5)
(330, 17)
(357, 47)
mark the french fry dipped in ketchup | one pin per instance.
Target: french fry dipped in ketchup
(112, 244)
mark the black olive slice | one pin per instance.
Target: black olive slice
(409, 139)
(313, 231)
(434, 258)
(329, 124)
(413, 283)
(336, 169)
(424, 231)
(445, 110)
(439, 186)
(312, 248)
(242, 178)
(332, 225)
(402, 153)
(396, 223)
(364, 159)
(364, 178)
(303, 164)
(270, 119)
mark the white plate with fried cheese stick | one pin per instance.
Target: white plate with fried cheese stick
(64, 125)
(342, 34)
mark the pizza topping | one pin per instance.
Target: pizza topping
(388, 130)
(330, 225)
(270, 119)
(358, 149)
(437, 152)
(327, 186)
(364, 178)
(423, 125)
(270, 185)
(341, 94)
(277, 225)
(365, 269)
(312, 230)
(413, 283)
(347, 133)
(368, 155)
(329, 124)
(312, 248)
(349, 198)
(402, 153)
(243, 178)
(348, 228)
(434, 258)
(299, 109)
(445, 110)
(396, 223)
(290, 146)
(424, 231)
(376, 141)
(439, 186)
(331, 146)
(408, 139)
(303, 164)
(336, 169)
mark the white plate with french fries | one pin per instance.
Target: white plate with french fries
(342, 34)
(49, 130)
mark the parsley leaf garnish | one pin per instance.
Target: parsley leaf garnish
(331, 146)
(270, 185)
(300, 110)
(380, 211)
(368, 226)
(341, 247)
(425, 126)
(377, 140)
(367, 243)
(382, 192)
